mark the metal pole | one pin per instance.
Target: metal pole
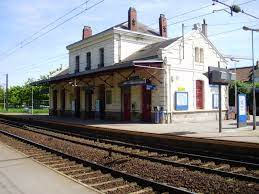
(183, 38)
(32, 100)
(4, 98)
(236, 93)
(220, 107)
(6, 93)
(254, 99)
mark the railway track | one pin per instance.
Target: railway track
(223, 167)
(100, 178)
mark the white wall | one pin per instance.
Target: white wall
(183, 73)
(93, 47)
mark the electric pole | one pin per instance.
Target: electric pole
(6, 92)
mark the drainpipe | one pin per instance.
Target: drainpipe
(119, 48)
(165, 89)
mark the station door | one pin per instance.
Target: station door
(199, 94)
(146, 104)
(126, 103)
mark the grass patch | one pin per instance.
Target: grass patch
(22, 110)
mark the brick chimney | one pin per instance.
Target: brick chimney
(204, 28)
(132, 19)
(87, 32)
(162, 25)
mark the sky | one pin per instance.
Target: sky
(25, 53)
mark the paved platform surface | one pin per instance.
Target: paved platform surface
(20, 175)
(201, 129)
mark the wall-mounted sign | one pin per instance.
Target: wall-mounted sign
(181, 100)
(219, 76)
(134, 82)
(97, 106)
(181, 89)
(150, 87)
(241, 110)
(73, 105)
(215, 101)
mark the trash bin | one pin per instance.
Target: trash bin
(156, 114)
(161, 115)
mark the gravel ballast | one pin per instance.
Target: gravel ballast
(176, 176)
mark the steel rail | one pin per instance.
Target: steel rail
(139, 145)
(147, 148)
(161, 187)
(167, 162)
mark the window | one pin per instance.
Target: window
(101, 54)
(77, 64)
(88, 61)
(108, 97)
(201, 55)
(197, 54)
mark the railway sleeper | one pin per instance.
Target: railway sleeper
(208, 164)
(222, 167)
(118, 187)
(182, 160)
(48, 158)
(77, 171)
(45, 155)
(38, 154)
(98, 179)
(87, 174)
(59, 163)
(143, 191)
(238, 169)
(106, 182)
(69, 167)
(90, 174)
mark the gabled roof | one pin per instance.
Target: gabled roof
(150, 51)
(140, 28)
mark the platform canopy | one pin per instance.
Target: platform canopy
(151, 66)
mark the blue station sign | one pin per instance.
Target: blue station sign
(241, 110)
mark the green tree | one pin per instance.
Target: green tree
(242, 88)
(1, 96)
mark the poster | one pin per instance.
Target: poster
(215, 101)
(181, 100)
(242, 105)
(241, 110)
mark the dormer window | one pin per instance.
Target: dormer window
(101, 56)
(77, 65)
(88, 61)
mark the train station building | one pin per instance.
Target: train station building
(130, 71)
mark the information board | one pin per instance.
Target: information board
(241, 110)
(181, 100)
(215, 101)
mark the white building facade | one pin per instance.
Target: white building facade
(130, 71)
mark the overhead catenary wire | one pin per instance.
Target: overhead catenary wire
(20, 44)
(58, 25)
(62, 55)
(191, 19)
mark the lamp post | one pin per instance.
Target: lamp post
(253, 78)
(236, 61)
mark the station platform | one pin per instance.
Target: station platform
(195, 129)
(21, 175)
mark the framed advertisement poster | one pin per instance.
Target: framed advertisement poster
(215, 101)
(241, 110)
(181, 100)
